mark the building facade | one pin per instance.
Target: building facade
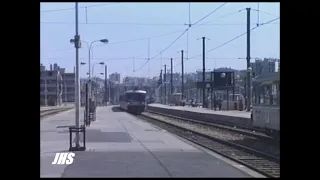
(68, 80)
(50, 86)
(114, 77)
(56, 86)
(264, 66)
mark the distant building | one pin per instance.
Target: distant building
(50, 85)
(115, 77)
(56, 85)
(264, 66)
(69, 87)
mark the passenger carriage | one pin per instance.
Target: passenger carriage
(266, 103)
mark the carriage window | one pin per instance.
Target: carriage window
(135, 97)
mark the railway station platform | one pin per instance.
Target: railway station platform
(122, 145)
(236, 118)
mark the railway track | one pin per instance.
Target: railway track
(223, 123)
(245, 131)
(228, 144)
(47, 112)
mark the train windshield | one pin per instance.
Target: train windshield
(136, 97)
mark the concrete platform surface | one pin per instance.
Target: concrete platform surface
(121, 145)
(242, 114)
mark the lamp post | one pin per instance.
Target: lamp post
(105, 41)
(88, 73)
(249, 71)
(100, 63)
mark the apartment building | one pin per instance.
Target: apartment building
(50, 85)
(56, 86)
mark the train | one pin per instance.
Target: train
(266, 103)
(133, 101)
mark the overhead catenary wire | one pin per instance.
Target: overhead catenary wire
(181, 36)
(114, 23)
(242, 35)
(221, 17)
(157, 24)
(126, 41)
(209, 14)
(138, 24)
(65, 9)
(267, 13)
(141, 39)
(163, 49)
(233, 39)
(150, 24)
(136, 58)
(213, 58)
(133, 23)
(209, 23)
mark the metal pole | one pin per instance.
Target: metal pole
(89, 62)
(109, 92)
(203, 70)
(148, 57)
(165, 84)
(161, 86)
(106, 84)
(211, 90)
(77, 83)
(182, 74)
(227, 92)
(248, 60)
(87, 104)
(171, 78)
(89, 84)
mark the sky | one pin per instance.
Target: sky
(138, 31)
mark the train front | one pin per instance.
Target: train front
(136, 102)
